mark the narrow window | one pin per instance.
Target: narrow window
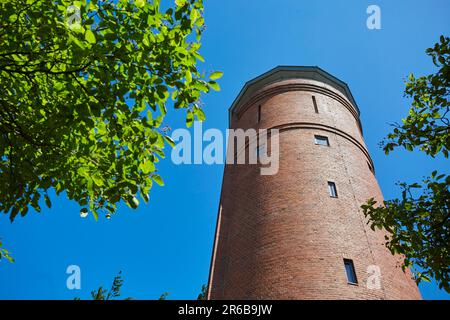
(259, 114)
(332, 189)
(315, 104)
(350, 270)
(321, 140)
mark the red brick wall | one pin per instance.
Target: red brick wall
(283, 236)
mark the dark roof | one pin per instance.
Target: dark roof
(291, 72)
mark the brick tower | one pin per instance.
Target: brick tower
(300, 234)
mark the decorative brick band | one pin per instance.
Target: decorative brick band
(315, 126)
(299, 87)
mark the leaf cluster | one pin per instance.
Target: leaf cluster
(84, 89)
(418, 223)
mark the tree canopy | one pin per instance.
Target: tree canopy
(115, 291)
(84, 88)
(4, 253)
(111, 294)
(204, 293)
(418, 223)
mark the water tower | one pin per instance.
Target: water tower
(300, 234)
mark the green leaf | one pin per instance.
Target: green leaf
(188, 76)
(140, 3)
(158, 179)
(214, 85)
(89, 36)
(145, 41)
(200, 114)
(132, 202)
(47, 201)
(147, 166)
(94, 214)
(216, 75)
(180, 3)
(170, 141)
(189, 118)
(77, 42)
(145, 197)
(159, 142)
(98, 180)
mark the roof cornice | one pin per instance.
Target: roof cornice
(281, 73)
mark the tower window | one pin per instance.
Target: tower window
(321, 140)
(259, 113)
(332, 189)
(350, 271)
(315, 104)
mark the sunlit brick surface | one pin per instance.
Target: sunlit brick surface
(283, 236)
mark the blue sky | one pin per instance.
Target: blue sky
(166, 246)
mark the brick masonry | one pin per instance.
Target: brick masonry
(283, 236)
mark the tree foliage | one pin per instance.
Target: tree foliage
(164, 296)
(84, 88)
(418, 223)
(204, 294)
(4, 253)
(427, 125)
(111, 294)
(114, 291)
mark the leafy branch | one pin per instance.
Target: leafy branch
(82, 102)
(418, 224)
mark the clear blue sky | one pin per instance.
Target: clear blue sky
(166, 245)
